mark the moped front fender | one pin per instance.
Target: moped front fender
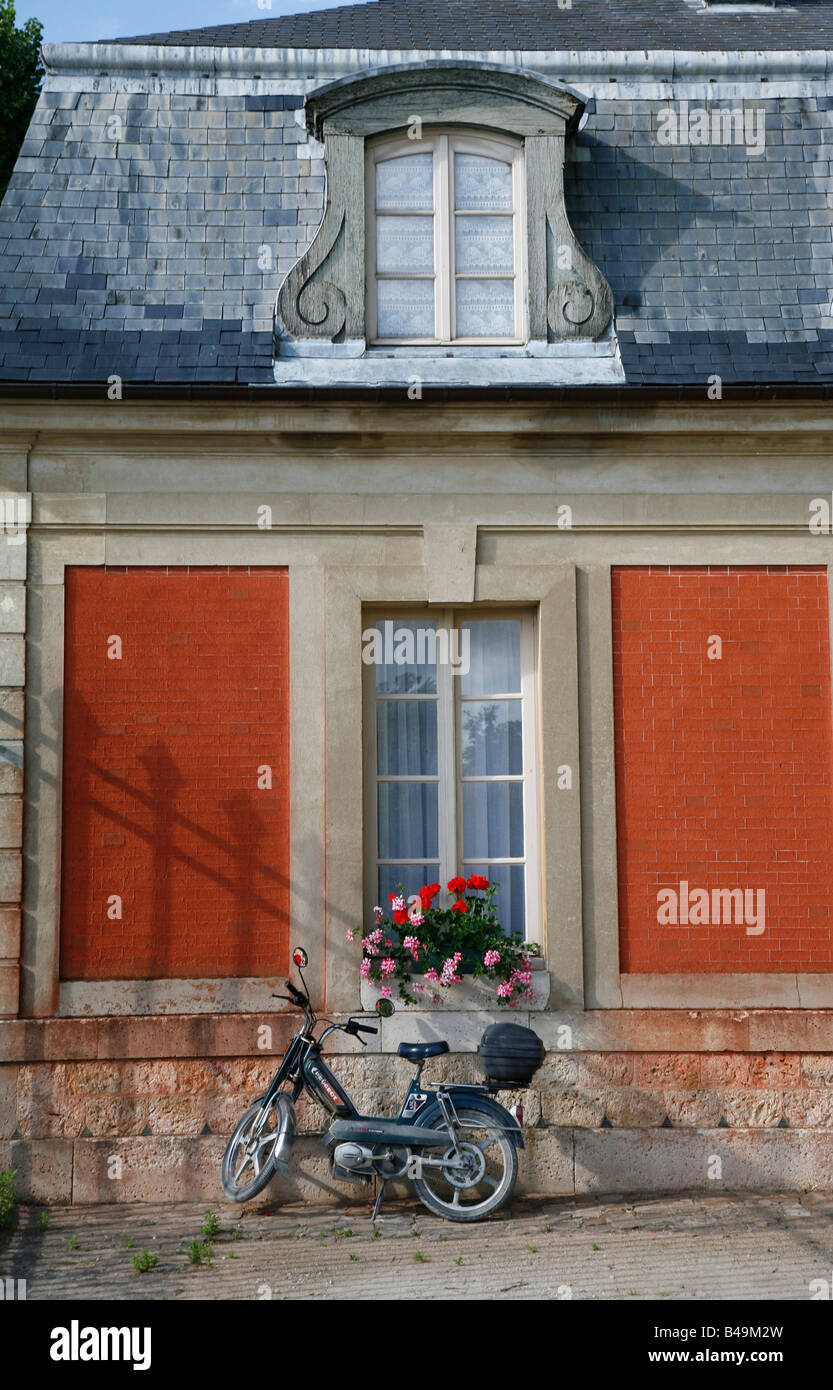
(286, 1126)
(459, 1095)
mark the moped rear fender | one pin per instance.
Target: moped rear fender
(366, 1130)
(482, 1101)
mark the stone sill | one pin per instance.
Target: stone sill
(596, 1030)
(581, 363)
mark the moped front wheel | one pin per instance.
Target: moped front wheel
(249, 1159)
(480, 1181)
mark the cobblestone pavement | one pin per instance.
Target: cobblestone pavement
(748, 1246)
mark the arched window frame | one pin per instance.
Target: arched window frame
(443, 143)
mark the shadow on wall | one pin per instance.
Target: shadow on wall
(151, 891)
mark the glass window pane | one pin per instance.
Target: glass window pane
(485, 309)
(407, 182)
(407, 820)
(509, 900)
(405, 308)
(494, 657)
(493, 820)
(406, 244)
(490, 734)
(483, 244)
(411, 877)
(407, 657)
(406, 738)
(480, 182)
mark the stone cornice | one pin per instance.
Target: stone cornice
(86, 423)
(631, 65)
(594, 1030)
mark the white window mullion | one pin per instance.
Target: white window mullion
(441, 238)
(447, 765)
(519, 230)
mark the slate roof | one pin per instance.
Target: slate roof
(156, 256)
(527, 24)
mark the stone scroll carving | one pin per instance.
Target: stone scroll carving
(322, 297)
(569, 296)
(311, 305)
(580, 302)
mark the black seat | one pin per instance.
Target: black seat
(415, 1052)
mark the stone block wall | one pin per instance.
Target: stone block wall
(103, 1128)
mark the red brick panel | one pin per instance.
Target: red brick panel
(163, 751)
(723, 766)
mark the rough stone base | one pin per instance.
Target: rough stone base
(556, 1162)
(131, 1110)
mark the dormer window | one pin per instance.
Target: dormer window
(445, 261)
(447, 240)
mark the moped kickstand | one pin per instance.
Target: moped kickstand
(378, 1203)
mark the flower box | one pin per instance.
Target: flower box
(427, 955)
(469, 996)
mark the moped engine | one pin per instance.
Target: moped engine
(353, 1156)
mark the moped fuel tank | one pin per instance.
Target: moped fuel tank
(325, 1086)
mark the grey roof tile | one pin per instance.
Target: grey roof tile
(534, 24)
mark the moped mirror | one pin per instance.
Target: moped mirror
(300, 957)
(384, 1008)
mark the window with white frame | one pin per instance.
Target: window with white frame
(446, 240)
(451, 784)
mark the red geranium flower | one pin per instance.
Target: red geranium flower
(461, 906)
(400, 917)
(456, 885)
(478, 882)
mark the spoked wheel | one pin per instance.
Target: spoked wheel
(482, 1182)
(249, 1159)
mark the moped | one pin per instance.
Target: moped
(456, 1145)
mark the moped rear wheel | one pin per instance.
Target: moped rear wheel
(483, 1182)
(249, 1159)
